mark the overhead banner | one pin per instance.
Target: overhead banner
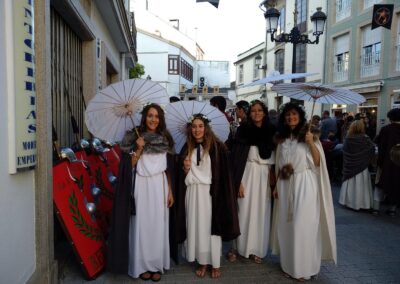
(382, 16)
(21, 93)
(215, 3)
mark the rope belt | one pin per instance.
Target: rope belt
(291, 194)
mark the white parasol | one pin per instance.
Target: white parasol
(177, 117)
(115, 109)
(318, 93)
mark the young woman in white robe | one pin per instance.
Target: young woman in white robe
(208, 199)
(254, 193)
(303, 230)
(148, 249)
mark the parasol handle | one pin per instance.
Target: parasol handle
(137, 132)
(134, 127)
(312, 113)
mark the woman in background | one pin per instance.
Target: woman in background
(358, 150)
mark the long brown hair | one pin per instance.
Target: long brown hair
(209, 140)
(161, 128)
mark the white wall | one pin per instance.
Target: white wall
(153, 24)
(153, 55)
(17, 199)
(101, 31)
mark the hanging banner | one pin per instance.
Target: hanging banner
(215, 3)
(382, 16)
(21, 93)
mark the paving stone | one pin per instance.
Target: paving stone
(368, 252)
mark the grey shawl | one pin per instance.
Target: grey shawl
(155, 143)
(357, 152)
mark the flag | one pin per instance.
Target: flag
(382, 16)
(212, 2)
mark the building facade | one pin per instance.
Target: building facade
(361, 59)
(247, 71)
(176, 61)
(309, 58)
(54, 57)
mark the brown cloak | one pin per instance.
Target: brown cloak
(225, 222)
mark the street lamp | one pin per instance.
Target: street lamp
(295, 37)
(258, 62)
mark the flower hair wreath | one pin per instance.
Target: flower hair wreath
(201, 116)
(282, 106)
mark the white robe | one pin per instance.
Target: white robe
(255, 207)
(356, 192)
(303, 224)
(200, 245)
(149, 228)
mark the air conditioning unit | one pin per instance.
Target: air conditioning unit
(216, 90)
(194, 89)
(202, 82)
(205, 89)
(182, 88)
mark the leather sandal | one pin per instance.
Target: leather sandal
(156, 276)
(145, 276)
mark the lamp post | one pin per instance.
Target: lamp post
(295, 37)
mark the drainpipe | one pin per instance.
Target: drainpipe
(123, 69)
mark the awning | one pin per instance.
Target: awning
(366, 88)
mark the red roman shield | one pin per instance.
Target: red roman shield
(80, 227)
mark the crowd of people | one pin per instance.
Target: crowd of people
(266, 189)
(362, 161)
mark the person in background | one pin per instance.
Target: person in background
(328, 125)
(339, 124)
(139, 235)
(370, 126)
(273, 117)
(315, 121)
(252, 160)
(358, 150)
(206, 204)
(241, 110)
(174, 99)
(389, 180)
(346, 125)
(241, 117)
(303, 230)
(219, 102)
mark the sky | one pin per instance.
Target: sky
(223, 33)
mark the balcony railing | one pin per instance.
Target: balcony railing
(370, 64)
(343, 9)
(341, 71)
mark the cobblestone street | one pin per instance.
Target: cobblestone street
(368, 252)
